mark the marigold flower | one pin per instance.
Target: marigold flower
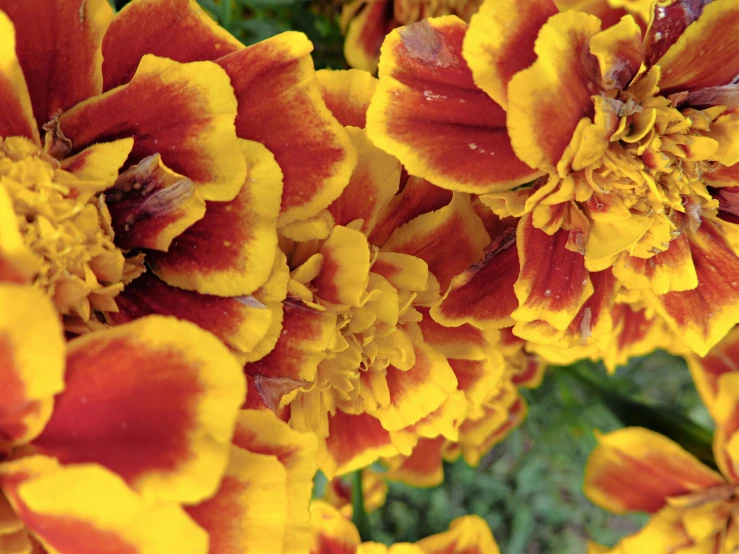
(335, 534)
(635, 135)
(692, 506)
(359, 361)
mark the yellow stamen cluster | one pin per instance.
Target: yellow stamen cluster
(58, 234)
(653, 165)
(369, 336)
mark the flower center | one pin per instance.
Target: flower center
(55, 232)
(654, 164)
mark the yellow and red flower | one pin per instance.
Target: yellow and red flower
(693, 508)
(335, 534)
(359, 361)
(627, 144)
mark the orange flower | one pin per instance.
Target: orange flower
(693, 508)
(631, 158)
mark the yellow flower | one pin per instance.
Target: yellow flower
(335, 534)
(692, 507)
(625, 139)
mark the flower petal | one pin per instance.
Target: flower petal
(240, 322)
(424, 237)
(418, 391)
(547, 101)
(332, 532)
(707, 52)
(345, 269)
(500, 42)
(417, 196)
(374, 182)
(185, 112)
(31, 362)
(248, 513)
(724, 407)
(16, 118)
(230, 251)
(347, 94)
(261, 432)
(155, 401)
(702, 316)
(150, 205)
(423, 468)
(468, 534)
(306, 334)
(483, 295)
(636, 470)
(428, 112)
(671, 270)
(59, 50)
(553, 284)
(99, 162)
(365, 33)
(280, 105)
(619, 53)
(464, 342)
(176, 29)
(87, 508)
(707, 370)
(353, 442)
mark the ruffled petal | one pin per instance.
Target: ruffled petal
(707, 370)
(417, 196)
(374, 182)
(99, 162)
(500, 42)
(671, 270)
(231, 250)
(332, 532)
(59, 50)
(702, 316)
(547, 101)
(280, 105)
(553, 284)
(707, 52)
(483, 295)
(31, 363)
(418, 391)
(240, 322)
(261, 432)
(619, 53)
(429, 113)
(724, 407)
(347, 94)
(155, 401)
(248, 513)
(464, 342)
(424, 237)
(353, 442)
(150, 205)
(16, 118)
(184, 112)
(344, 272)
(423, 468)
(176, 29)
(306, 334)
(468, 534)
(87, 508)
(636, 470)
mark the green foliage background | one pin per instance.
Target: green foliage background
(528, 488)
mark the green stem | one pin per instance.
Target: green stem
(226, 14)
(662, 419)
(359, 515)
